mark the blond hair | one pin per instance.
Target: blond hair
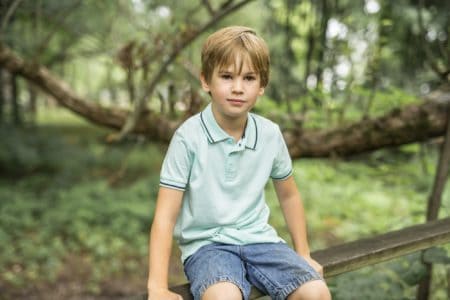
(223, 47)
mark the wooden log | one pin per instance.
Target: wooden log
(369, 251)
(354, 255)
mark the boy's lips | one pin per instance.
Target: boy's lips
(237, 101)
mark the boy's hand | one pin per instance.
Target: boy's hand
(162, 294)
(316, 266)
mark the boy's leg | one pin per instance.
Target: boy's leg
(279, 271)
(311, 290)
(216, 271)
(222, 290)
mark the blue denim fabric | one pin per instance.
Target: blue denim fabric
(274, 268)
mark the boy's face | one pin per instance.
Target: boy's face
(233, 93)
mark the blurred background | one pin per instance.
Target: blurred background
(91, 91)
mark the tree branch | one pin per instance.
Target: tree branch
(208, 7)
(60, 20)
(181, 43)
(8, 15)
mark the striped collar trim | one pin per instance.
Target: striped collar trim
(216, 134)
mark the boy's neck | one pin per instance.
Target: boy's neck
(233, 126)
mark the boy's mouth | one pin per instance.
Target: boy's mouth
(236, 101)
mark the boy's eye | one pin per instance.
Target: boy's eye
(250, 78)
(226, 76)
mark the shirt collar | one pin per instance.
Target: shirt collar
(216, 134)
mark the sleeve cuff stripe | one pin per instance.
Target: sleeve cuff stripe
(178, 187)
(283, 177)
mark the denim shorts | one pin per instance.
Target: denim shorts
(274, 268)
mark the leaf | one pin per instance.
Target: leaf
(414, 273)
(436, 256)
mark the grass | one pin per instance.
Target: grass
(75, 211)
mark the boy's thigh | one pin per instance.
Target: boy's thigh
(216, 263)
(276, 269)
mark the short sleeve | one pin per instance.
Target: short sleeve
(177, 164)
(282, 164)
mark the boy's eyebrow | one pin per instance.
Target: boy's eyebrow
(231, 72)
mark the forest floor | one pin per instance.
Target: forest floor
(73, 283)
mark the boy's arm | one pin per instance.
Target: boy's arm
(166, 212)
(294, 215)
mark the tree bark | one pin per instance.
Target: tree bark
(2, 97)
(32, 102)
(409, 124)
(14, 100)
(324, 18)
(434, 204)
(404, 125)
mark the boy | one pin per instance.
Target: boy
(211, 193)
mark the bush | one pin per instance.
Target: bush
(28, 151)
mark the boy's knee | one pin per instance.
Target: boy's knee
(222, 291)
(312, 290)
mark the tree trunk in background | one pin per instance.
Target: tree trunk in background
(324, 17)
(375, 63)
(2, 97)
(15, 106)
(434, 204)
(171, 94)
(309, 56)
(32, 101)
(409, 124)
(290, 56)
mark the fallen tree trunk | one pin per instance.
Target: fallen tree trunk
(409, 124)
(149, 124)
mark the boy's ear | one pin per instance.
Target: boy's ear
(205, 85)
(261, 91)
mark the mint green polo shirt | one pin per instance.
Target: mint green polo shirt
(223, 181)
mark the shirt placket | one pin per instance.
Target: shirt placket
(232, 159)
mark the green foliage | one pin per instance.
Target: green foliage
(89, 201)
(25, 151)
(106, 224)
(372, 194)
(66, 196)
(436, 256)
(392, 98)
(385, 281)
(394, 280)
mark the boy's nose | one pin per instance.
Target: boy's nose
(237, 86)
